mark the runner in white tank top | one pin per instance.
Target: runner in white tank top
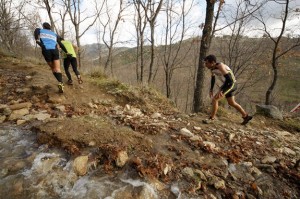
(227, 89)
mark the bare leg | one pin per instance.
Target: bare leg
(215, 106)
(56, 66)
(231, 101)
(50, 64)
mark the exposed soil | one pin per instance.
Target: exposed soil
(104, 118)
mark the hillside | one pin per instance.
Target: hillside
(115, 129)
(253, 81)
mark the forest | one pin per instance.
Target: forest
(160, 44)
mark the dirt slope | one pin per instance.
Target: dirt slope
(102, 118)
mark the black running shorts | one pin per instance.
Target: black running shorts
(50, 55)
(230, 93)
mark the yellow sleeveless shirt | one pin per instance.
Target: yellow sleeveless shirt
(69, 46)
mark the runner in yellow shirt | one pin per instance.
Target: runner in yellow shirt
(70, 58)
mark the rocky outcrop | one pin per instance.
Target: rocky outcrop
(269, 111)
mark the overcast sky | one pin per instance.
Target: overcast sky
(126, 31)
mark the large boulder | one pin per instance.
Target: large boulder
(80, 165)
(269, 111)
(122, 158)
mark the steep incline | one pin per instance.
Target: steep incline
(138, 130)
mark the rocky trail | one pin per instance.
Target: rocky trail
(111, 128)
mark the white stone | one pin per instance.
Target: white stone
(283, 133)
(28, 77)
(231, 136)
(288, 151)
(92, 143)
(127, 107)
(19, 122)
(186, 132)
(255, 171)
(17, 114)
(91, 105)
(268, 160)
(196, 138)
(20, 106)
(296, 148)
(210, 144)
(197, 128)
(220, 184)
(155, 115)
(154, 182)
(61, 108)
(188, 171)
(167, 169)
(2, 118)
(42, 116)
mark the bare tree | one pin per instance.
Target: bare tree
(110, 28)
(152, 9)
(62, 13)
(209, 29)
(198, 102)
(281, 46)
(47, 5)
(140, 25)
(75, 13)
(172, 55)
(237, 50)
(7, 24)
(10, 25)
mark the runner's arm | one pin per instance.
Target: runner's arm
(212, 82)
(37, 36)
(61, 44)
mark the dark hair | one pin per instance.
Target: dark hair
(60, 38)
(46, 25)
(210, 58)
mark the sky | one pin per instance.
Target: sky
(126, 30)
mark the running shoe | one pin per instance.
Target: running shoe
(209, 120)
(246, 119)
(60, 87)
(70, 82)
(80, 80)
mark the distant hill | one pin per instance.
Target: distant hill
(286, 94)
(91, 51)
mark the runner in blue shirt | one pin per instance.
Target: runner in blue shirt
(48, 41)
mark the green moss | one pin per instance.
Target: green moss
(290, 124)
(98, 75)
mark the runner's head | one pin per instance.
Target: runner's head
(210, 61)
(47, 26)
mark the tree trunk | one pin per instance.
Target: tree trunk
(49, 12)
(142, 59)
(277, 53)
(199, 99)
(79, 45)
(152, 54)
(272, 86)
(168, 82)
